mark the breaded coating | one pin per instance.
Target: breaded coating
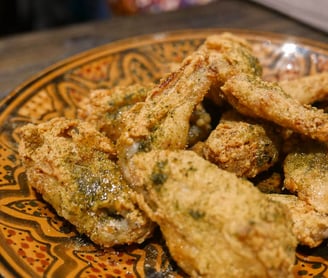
(104, 107)
(309, 226)
(243, 146)
(306, 174)
(72, 166)
(307, 89)
(214, 224)
(123, 166)
(230, 55)
(162, 121)
(252, 96)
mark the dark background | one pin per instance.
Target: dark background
(18, 16)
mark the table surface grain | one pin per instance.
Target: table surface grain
(22, 56)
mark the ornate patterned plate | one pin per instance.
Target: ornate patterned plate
(34, 241)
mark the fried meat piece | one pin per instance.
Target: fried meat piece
(307, 89)
(309, 226)
(306, 174)
(241, 145)
(230, 55)
(73, 167)
(104, 107)
(214, 224)
(252, 96)
(162, 120)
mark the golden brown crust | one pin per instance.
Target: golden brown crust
(242, 146)
(309, 226)
(254, 97)
(215, 224)
(306, 173)
(307, 89)
(162, 121)
(104, 107)
(72, 165)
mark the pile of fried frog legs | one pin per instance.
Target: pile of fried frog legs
(232, 199)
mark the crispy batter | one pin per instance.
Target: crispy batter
(230, 55)
(162, 121)
(306, 174)
(243, 146)
(254, 97)
(309, 226)
(72, 166)
(215, 224)
(104, 107)
(307, 89)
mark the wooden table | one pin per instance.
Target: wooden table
(22, 56)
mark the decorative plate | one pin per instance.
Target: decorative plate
(34, 241)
